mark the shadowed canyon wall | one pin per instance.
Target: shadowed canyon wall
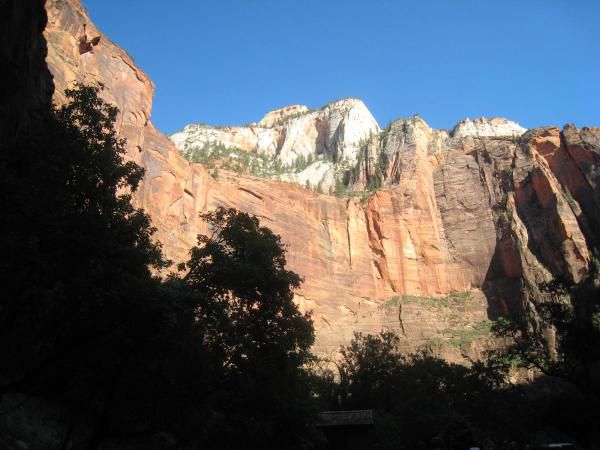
(26, 87)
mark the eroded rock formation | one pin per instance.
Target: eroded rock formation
(487, 208)
(336, 130)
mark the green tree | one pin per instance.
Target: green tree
(340, 189)
(367, 366)
(418, 397)
(300, 163)
(260, 339)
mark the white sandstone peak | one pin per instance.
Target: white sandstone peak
(414, 121)
(319, 176)
(278, 116)
(343, 103)
(336, 131)
(248, 139)
(487, 127)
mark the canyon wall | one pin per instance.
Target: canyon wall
(486, 209)
(26, 87)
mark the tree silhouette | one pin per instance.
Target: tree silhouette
(80, 313)
(256, 332)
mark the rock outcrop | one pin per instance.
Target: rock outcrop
(486, 209)
(336, 130)
(108, 67)
(292, 138)
(252, 138)
(483, 127)
(278, 116)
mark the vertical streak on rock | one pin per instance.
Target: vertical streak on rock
(348, 233)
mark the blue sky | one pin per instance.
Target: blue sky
(226, 62)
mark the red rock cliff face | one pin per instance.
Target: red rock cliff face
(490, 215)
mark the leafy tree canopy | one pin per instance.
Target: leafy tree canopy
(239, 271)
(261, 341)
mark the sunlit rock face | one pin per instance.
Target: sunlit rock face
(108, 67)
(301, 142)
(487, 209)
(337, 129)
(248, 139)
(278, 116)
(483, 127)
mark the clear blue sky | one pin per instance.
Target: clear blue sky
(229, 61)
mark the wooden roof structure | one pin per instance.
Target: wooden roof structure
(362, 417)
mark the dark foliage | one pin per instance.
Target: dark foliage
(125, 356)
(255, 331)
(83, 322)
(555, 360)
(417, 397)
(78, 248)
(563, 345)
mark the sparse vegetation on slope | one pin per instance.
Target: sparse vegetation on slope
(463, 337)
(216, 155)
(452, 299)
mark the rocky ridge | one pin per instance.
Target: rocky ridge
(488, 210)
(483, 127)
(313, 148)
(290, 144)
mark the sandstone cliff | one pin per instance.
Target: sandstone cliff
(291, 144)
(486, 209)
